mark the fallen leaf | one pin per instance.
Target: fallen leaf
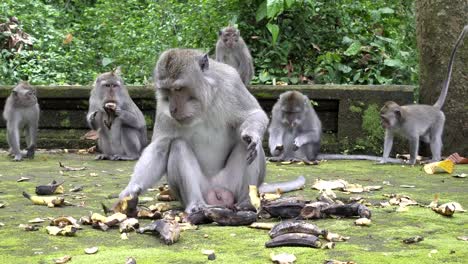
(91, 250)
(283, 258)
(62, 260)
(22, 179)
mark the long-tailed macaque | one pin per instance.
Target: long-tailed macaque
(232, 50)
(295, 128)
(21, 112)
(120, 124)
(418, 121)
(207, 135)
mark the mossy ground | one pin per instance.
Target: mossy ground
(379, 243)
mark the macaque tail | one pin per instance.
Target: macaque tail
(356, 157)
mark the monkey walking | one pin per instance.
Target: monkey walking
(232, 50)
(119, 122)
(418, 121)
(295, 128)
(207, 134)
(22, 113)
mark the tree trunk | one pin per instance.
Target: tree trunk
(439, 22)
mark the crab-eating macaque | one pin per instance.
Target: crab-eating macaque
(418, 121)
(208, 132)
(232, 50)
(21, 113)
(120, 124)
(295, 128)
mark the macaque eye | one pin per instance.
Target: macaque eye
(107, 85)
(15, 93)
(30, 93)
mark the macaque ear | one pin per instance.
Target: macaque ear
(398, 113)
(220, 33)
(117, 71)
(203, 61)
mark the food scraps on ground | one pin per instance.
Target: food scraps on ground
(362, 222)
(294, 239)
(50, 201)
(68, 230)
(63, 221)
(445, 166)
(169, 231)
(290, 226)
(412, 240)
(228, 217)
(283, 208)
(49, 189)
(62, 260)
(22, 179)
(29, 227)
(282, 258)
(264, 226)
(68, 168)
(91, 250)
(282, 187)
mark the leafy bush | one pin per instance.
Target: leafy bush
(294, 41)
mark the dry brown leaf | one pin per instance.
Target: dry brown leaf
(68, 39)
(62, 260)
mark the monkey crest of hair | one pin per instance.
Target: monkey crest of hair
(207, 133)
(418, 122)
(295, 129)
(22, 112)
(119, 122)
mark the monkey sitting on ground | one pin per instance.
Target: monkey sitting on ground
(295, 128)
(232, 50)
(22, 113)
(120, 124)
(418, 121)
(207, 136)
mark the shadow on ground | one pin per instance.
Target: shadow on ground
(379, 243)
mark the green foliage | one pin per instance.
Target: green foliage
(292, 41)
(373, 131)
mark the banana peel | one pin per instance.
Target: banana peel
(50, 201)
(49, 189)
(68, 230)
(445, 166)
(254, 198)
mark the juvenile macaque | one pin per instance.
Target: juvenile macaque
(21, 113)
(418, 121)
(207, 135)
(295, 128)
(232, 50)
(120, 124)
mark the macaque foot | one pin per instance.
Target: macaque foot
(118, 157)
(195, 207)
(18, 157)
(102, 157)
(245, 206)
(30, 154)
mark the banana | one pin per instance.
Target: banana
(50, 201)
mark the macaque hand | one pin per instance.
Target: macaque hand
(252, 141)
(92, 117)
(298, 142)
(278, 150)
(131, 189)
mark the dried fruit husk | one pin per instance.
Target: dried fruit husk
(160, 207)
(286, 227)
(401, 200)
(412, 240)
(62, 260)
(115, 219)
(165, 194)
(362, 221)
(264, 226)
(445, 209)
(50, 201)
(129, 225)
(85, 220)
(282, 258)
(64, 231)
(457, 206)
(29, 227)
(313, 210)
(169, 231)
(348, 210)
(294, 240)
(63, 221)
(228, 217)
(49, 189)
(147, 214)
(284, 208)
(176, 215)
(127, 206)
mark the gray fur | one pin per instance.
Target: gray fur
(122, 132)
(235, 52)
(295, 128)
(418, 122)
(212, 139)
(22, 114)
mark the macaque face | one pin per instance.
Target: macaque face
(110, 88)
(230, 37)
(389, 115)
(292, 114)
(180, 103)
(24, 94)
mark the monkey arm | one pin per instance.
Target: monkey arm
(276, 139)
(388, 143)
(129, 118)
(307, 137)
(149, 169)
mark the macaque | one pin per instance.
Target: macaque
(418, 121)
(232, 50)
(295, 129)
(22, 113)
(207, 136)
(120, 124)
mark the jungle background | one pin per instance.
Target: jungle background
(292, 41)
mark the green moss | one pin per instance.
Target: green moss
(379, 243)
(355, 109)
